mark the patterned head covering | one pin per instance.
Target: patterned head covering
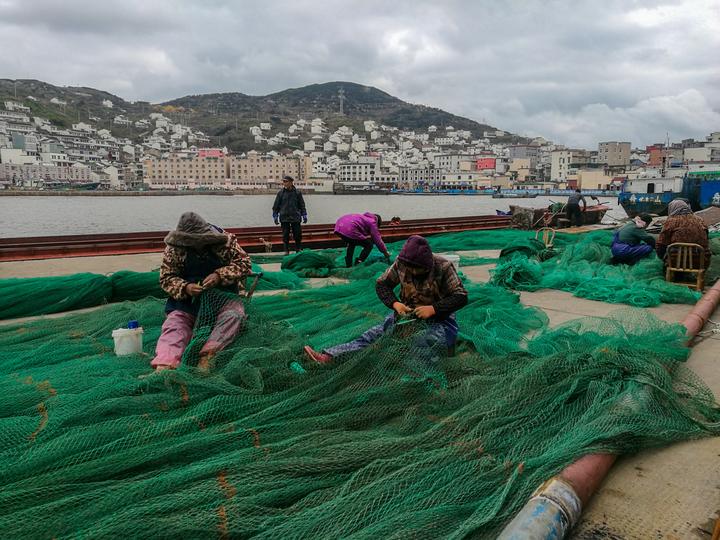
(678, 207)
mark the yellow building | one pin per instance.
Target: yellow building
(186, 171)
(593, 179)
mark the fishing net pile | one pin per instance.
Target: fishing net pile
(584, 268)
(578, 263)
(25, 297)
(264, 444)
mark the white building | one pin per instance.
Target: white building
(16, 156)
(363, 172)
(15, 106)
(445, 141)
(265, 126)
(121, 120)
(109, 104)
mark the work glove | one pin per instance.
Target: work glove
(276, 219)
(304, 217)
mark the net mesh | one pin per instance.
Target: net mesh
(265, 444)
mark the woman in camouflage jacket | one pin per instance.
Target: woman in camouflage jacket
(198, 256)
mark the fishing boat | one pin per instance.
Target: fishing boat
(701, 189)
(535, 218)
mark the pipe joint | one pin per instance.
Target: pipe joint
(551, 512)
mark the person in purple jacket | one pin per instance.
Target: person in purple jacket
(360, 230)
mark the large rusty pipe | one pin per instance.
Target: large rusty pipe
(696, 319)
(556, 506)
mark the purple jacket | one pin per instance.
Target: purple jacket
(361, 227)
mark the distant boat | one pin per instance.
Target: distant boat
(521, 195)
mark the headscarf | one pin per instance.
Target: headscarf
(194, 232)
(678, 207)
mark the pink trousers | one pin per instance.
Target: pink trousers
(177, 331)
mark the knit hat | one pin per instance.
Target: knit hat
(193, 231)
(417, 252)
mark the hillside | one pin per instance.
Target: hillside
(227, 117)
(361, 103)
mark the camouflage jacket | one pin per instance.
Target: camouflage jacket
(237, 265)
(440, 288)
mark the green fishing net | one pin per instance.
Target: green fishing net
(265, 444)
(583, 267)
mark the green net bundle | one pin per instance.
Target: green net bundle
(582, 267)
(367, 447)
(25, 297)
(309, 263)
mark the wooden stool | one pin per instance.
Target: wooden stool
(687, 259)
(548, 236)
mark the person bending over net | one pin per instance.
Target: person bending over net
(360, 230)
(198, 256)
(632, 242)
(430, 289)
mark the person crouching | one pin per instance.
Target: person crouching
(198, 256)
(632, 242)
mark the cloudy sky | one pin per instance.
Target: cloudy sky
(573, 71)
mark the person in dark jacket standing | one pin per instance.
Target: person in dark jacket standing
(574, 214)
(430, 289)
(288, 210)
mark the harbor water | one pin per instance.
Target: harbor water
(44, 216)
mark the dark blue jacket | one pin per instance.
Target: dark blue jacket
(289, 206)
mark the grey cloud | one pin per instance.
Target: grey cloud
(573, 71)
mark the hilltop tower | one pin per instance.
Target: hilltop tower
(341, 98)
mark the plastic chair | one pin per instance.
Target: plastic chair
(548, 236)
(682, 258)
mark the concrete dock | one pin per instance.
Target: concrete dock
(669, 493)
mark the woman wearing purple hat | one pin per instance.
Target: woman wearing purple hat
(430, 289)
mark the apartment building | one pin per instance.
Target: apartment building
(364, 171)
(566, 162)
(186, 171)
(614, 154)
(256, 170)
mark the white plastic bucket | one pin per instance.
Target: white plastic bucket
(128, 341)
(454, 259)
